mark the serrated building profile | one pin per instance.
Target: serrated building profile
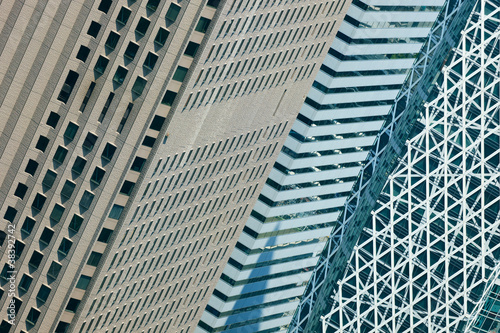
(134, 141)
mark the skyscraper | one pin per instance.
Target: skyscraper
(134, 138)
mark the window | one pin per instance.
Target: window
(101, 64)
(127, 187)
(157, 123)
(173, 12)
(94, 258)
(68, 189)
(131, 50)
(25, 282)
(139, 85)
(202, 25)
(83, 282)
(38, 202)
(138, 164)
(150, 61)
(191, 49)
(148, 141)
(142, 26)
(180, 73)
(213, 3)
(116, 212)
(46, 236)
(112, 40)
(19, 248)
(106, 107)
(123, 15)
(153, 4)
(161, 36)
(71, 131)
(94, 29)
(60, 154)
(79, 165)
(169, 98)
(125, 117)
(21, 190)
(68, 86)
(65, 246)
(108, 152)
(121, 73)
(76, 223)
(42, 143)
(97, 175)
(31, 167)
(53, 119)
(90, 141)
(83, 53)
(28, 225)
(57, 213)
(36, 259)
(72, 305)
(33, 316)
(87, 199)
(5, 272)
(54, 270)
(62, 327)
(49, 179)
(105, 5)
(10, 214)
(105, 235)
(43, 293)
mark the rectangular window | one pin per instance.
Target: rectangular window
(121, 73)
(106, 107)
(169, 98)
(148, 141)
(123, 16)
(101, 64)
(116, 212)
(25, 282)
(127, 188)
(68, 189)
(28, 225)
(180, 73)
(76, 223)
(60, 154)
(53, 119)
(65, 246)
(142, 26)
(71, 131)
(21, 190)
(68, 86)
(173, 12)
(57, 213)
(46, 236)
(131, 50)
(42, 143)
(150, 61)
(89, 141)
(94, 29)
(161, 36)
(104, 6)
(87, 199)
(138, 164)
(153, 5)
(87, 96)
(191, 49)
(31, 167)
(105, 235)
(125, 117)
(94, 258)
(97, 175)
(202, 25)
(139, 85)
(83, 282)
(79, 165)
(54, 270)
(43, 293)
(108, 152)
(38, 202)
(157, 123)
(112, 40)
(36, 259)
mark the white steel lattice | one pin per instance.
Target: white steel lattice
(424, 257)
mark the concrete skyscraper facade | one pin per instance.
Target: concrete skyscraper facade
(134, 141)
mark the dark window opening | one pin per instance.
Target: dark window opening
(25, 282)
(127, 187)
(49, 179)
(76, 223)
(89, 141)
(68, 189)
(150, 61)
(202, 25)
(105, 235)
(53, 119)
(125, 117)
(54, 270)
(173, 12)
(72, 305)
(87, 96)
(31, 167)
(106, 107)
(153, 4)
(148, 141)
(33, 316)
(112, 40)
(62, 327)
(139, 85)
(123, 15)
(57, 213)
(38, 202)
(180, 73)
(60, 154)
(94, 29)
(79, 165)
(42, 143)
(101, 64)
(43, 293)
(138, 164)
(83, 282)
(71, 131)
(65, 246)
(36, 259)
(68, 86)
(104, 6)
(157, 123)
(10, 214)
(28, 225)
(83, 53)
(169, 98)
(142, 26)
(191, 49)
(97, 176)
(21, 191)
(19, 248)
(131, 50)
(46, 236)
(213, 3)
(108, 152)
(87, 199)
(161, 36)
(121, 73)
(116, 212)
(94, 258)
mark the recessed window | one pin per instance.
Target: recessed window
(169, 97)
(33, 316)
(112, 40)
(142, 26)
(60, 154)
(79, 165)
(19, 248)
(148, 141)
(76, 223)
(105, 108)
(150, 61)
(46, 236)
(138, 164)
(83, 282)
(105, 5)
(153, 4)
(213, 3)
(126, 114)
(127, 187)
(38, 202)
(105, 235)
(94, 29)
(116, 212)
(97, 175)
(28, 225)
(161, 36)
(68, 189)
(54, 270)
(87, 199)
(83, 53)
(108, 152)
(57, 213)
(62, 327)
(68, 86)
(87, 96)
(49, 179)
(123, 15)
(202, 25)
(173, 12)
(191, 49)
(31, 167)
(65, 246)
(121, 73)
(36, 259)
(42, 143)
(72, 305)
(139, 85)
(180, 73)
(71, 131)
(21, 190)
(25, 282)
(101, 64)
(131, 50)
(157, 123)
(53, 119)
(10, 214)
(89, 141)
(94, 258)
(43, 293)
